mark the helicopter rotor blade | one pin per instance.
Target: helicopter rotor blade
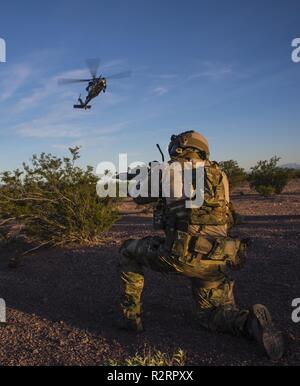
(121, 75)
(93, 65)
(68, 81)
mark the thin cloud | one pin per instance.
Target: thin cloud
(13, 80)
(58, 122)
(49, 89)
(53, 131)
(164, 76)
(160, 90)
(212, 71)
(96, 137)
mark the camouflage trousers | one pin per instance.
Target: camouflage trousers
(212, 291)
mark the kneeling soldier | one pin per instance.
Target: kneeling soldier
(196, 245)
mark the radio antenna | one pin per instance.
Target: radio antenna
(162, 154)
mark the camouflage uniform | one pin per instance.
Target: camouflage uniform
(214, 298)
(196, 245)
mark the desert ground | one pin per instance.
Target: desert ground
(61, 303)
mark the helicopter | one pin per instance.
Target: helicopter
(96, 84)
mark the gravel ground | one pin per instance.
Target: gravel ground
(61, 303)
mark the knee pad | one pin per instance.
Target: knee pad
(146, 247)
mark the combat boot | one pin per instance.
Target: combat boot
(130, 319)
(259, 326)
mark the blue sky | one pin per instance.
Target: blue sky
(221, 67)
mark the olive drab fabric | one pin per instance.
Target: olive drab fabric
(196, 245)
(214, 208)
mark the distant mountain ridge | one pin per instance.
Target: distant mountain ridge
(291, 166)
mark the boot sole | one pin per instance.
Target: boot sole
(272, 339)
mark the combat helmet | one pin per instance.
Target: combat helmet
(188, 140)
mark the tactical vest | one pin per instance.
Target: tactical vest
(183, 226)
(213, 211)
(214, 208)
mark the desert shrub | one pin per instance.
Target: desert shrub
(149, 358)
(235, 174)
(295, 173)
(264, 190)
(55, 200)
(267, 178)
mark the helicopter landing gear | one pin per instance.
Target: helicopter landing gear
(81, 105)
(85, 107)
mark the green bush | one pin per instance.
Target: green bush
(267, 178)
(295, 173)
(235, 174)
(55, 200)
(265, 191)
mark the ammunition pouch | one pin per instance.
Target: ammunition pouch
(231, 251)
